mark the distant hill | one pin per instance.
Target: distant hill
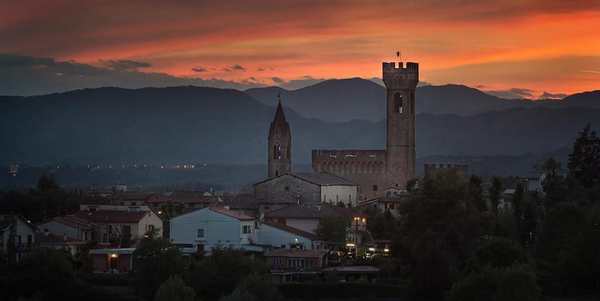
(335, 100)
(347, 99)
(193, 124)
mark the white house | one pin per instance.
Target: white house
(214, 227)
(21, 232)
(114, 225)
(282, 236)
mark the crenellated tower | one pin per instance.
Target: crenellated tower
(401, 83)
(280, 144)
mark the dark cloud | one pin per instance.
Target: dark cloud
(238, 67)
(548, 95)
(124, 65)
(278, 80)
(514, 93)
(199, 69)
(25, 75)
(261, 69)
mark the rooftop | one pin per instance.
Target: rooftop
(112, 216)
(232, 213)
(292, 230)
(321, 179)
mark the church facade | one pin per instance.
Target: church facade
(376, 171)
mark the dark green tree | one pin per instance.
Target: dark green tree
(174, 289)
(475, 193)
(255, 288)
(332, 229)
(155, 260)
(554, 183)
(495, 194)
(584, 161)
(219, 274)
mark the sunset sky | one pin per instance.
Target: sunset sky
(543, 46)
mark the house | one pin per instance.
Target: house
(293, 264)
(286, 237)
(16, 234)
(309, 189)
(389, 203)
(214, 227)
(112, 226)
(68, 244)
(70, 226)
(118, 260)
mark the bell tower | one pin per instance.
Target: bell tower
(280, 144)
(401, 83)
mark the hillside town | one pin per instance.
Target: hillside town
(361, 221)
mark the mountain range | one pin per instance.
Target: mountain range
(355, 98)
(197, 124)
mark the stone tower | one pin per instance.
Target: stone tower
(401, 83)
(280, 144)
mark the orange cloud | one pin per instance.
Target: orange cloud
(323, 39)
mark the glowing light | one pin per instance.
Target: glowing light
(114, 255)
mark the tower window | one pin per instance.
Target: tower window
(375, 187)
(398, 104)
(277, 151)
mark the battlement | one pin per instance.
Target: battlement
(348, 154)
(396, 74)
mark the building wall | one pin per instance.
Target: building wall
(24, 235)
(151, 219)
(219, 230)
(346, 194)
(278, 238)
(61, 229)
(287, 187)
(366, 168)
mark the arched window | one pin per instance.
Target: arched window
(276, 151)
(398, 105)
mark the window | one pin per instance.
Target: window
(287, 188)
(29, 240)
(398, 104)
(276, 151)
(374, 187)
(246, 229)
(200, 233)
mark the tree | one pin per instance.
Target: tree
(439, 230)
(495, 193)
(219, 274)
(497, 252)
(518, 205)
(255, 288)
(475, 193)
(332, 229)
(554, 183)
(584, 168)
(45, 273)
(174, 289)
(584, 161)
(155, 261)
(47, 183)
(516, 283)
